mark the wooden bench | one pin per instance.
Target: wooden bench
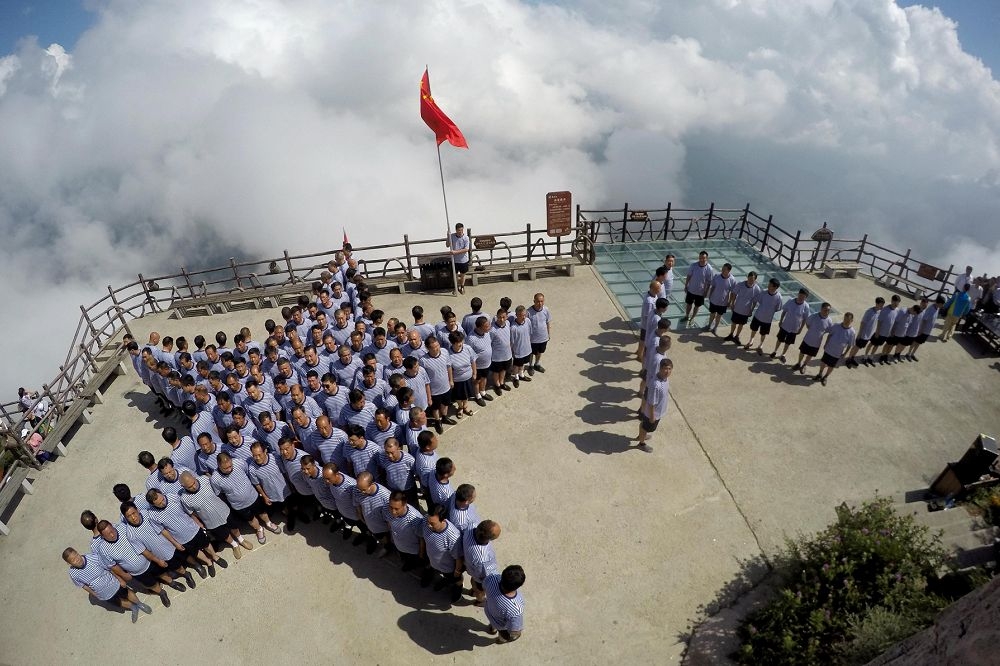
(986, 326)
(849, 268)
(529, 268)
(15, 481)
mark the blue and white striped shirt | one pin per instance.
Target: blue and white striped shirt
(267, 403)
(374, 508)
(500, 342)
(520, 338)
(398, 474)
(281, 429)
(381, 353)
(364, 459)
(293, 469)
(96, 576)
(345, 373)
(539, 323)
(156, 480)
(480, 561)
(270, 478)
(147, 535)
(331, 403)
(406, 530)
(444, 547)
(206, 463)
(343, 495)
(236, 486)
(175, 519)
(461, 363)
(184, 453)
(123, 553)
(462, 518)
(359, 417)
(439, 492)
(418, 384)
(321, 490)
(375, 434)
(503, 612)
(211, 510)
(424, 466)
(482, 346)
(204, 422)
(436, 368)
(241, 451)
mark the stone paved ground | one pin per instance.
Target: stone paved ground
(621, 547)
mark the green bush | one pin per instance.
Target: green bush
(871, 568)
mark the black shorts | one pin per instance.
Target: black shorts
(120, 595)
(462, 390)
(251, 511)
(693, 299)
(739, 319)
(521, 361)
(892, 340)
(878, 340)
(717, 309)
(462, 268)
(830, 360)
(808, 350)
(861, 343)
(501, 366)
(199, 542)
(221, 533)
(149, 577)
(441, 400)
(763, 326)
(481, 372)
(178, 560)
(921, 339)
(647, 425)
(786, 336)
(539, 347)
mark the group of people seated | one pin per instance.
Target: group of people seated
(335, 417)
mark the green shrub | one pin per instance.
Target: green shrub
(870, 558)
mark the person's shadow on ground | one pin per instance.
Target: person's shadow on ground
(444, 633)
(605, 443)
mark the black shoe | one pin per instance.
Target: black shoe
(739, 343)
(448, 420)
(164, 599)
(438, 427)
(324, 518)
(914, 358)
(371, 547)
(408, 566)
(796, 367)
(883, 359)
(487, 398)
(290, 524)
(531, 370)
(425, 580)
(517, 382)
(346, 532)
(211, 570)
(497, 389)
(774, 354)
(439, 584)
(822, 381)
(505, 387)
(896, 358)
(539, 368)
(200, 568)
(360, 539)
(728, 338)
(525, 379)
(456, 593)
(222, 563)
(817, 378)
(190, 579)
(177, 586)
(481, 402)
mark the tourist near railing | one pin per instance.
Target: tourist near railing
(101, 323)
(792, 252)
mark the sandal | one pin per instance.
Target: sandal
(467, 412)
(261, 539)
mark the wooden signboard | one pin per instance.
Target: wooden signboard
(559, 213)
(485, 242)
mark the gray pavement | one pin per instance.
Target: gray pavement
(621, 547)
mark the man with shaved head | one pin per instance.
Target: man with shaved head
(90, 572)
(372, 499)
(480, 558)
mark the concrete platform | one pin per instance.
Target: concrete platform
(622, 548)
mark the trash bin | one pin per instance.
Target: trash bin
(435, 271)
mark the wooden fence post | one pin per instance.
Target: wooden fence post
(708, 226)
(861, 250)
(90, 358)
(236, 273)
(902, 264)
(409, 257)
(90, 324)
(947, 280)
(528, 241)
(793, 255)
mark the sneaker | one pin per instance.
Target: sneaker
(525, 379)
(190, 579)
(539, 368)
(135, 613)
(487, 398)
(481, 401)
(517, 382)
(144, 607)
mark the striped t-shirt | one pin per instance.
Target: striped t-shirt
(96, 576)
(504, 613)
(236, 486)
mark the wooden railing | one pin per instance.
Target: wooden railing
(102, 322)
(789, 251)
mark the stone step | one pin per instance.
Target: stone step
(970, 540)
(948, 519)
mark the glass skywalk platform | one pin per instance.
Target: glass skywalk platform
(627, 269)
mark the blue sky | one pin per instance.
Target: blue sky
(63, 21)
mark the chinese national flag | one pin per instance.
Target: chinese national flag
(443, 127)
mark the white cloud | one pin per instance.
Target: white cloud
(180, 133)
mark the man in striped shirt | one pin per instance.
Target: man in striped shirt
(743, 300)
(461, 513)
(541, 331)
(425, 461)
(357, 412)
(128, 563)
(152, 538)
(343, 487)
(232, 482)
(648, 305)
(927, 320)
(171, 517)
(270, 431)
(869, 323)
(396, 468)
(443, 548)
(480, 558)
(720, 296)
(90, 573)
(502, 356)
(769, 303)
(207, 460)
(201, 422)
(182, 448)
(655, 402)
(372, 499)
(405, 526)
(520, 345)
(817, 326)
(482, 351)
(794, 314)
(504, 603)
(267, 478)
(313, 475)
(328, 444)
(696, 285)
(382, 428)
(167, 477)
(439, 488)
(302, 502)
(839, 340)
(435, 364)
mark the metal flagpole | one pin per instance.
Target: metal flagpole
(447, 231)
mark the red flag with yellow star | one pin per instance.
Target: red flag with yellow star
(444, 129)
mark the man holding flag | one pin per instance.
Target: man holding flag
(445, 130)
